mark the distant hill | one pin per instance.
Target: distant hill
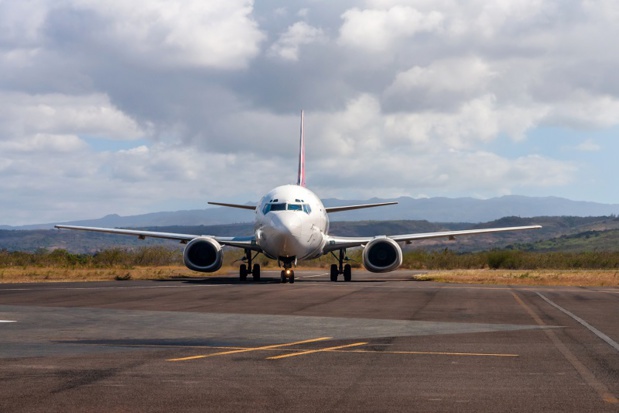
(431, 209)
(558, 234)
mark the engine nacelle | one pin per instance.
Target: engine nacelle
(382, 255)
(203, 254)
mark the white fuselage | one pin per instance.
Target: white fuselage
(291, 223)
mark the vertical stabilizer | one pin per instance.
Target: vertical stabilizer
(301, 176)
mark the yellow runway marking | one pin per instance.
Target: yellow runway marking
(335, 349)
(246, 350)
(302, 353)
(438, 353)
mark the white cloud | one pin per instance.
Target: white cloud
(376, 30)
(587, 109)
(27, 115)
(44, 143)
(364, 127)
(402, 97)
(288, 45)
(219, 34)
(468, 75)
(215, 34)
(588, 145)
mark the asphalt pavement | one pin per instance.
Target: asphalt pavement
(383, 342)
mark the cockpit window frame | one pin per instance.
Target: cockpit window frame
(286, 206)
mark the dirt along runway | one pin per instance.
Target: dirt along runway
(379, 343)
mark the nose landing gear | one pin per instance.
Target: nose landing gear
(287, 274)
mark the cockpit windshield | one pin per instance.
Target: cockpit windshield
(278, 206)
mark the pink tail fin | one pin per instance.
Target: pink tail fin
(301, 176)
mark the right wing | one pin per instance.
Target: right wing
(248, 242)
(240, 206)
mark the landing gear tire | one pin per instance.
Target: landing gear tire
(334, 272)
(283, 276)
(256, 272)
(291, 277)
(347, 273)
(243, 272)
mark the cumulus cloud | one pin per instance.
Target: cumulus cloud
(588, 145)
(118, 106)
(26, 115)
(288, 45)
(443, 82)
(376, 30)
(218, 34)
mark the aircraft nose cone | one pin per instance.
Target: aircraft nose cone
(286, 234)
(288, 223)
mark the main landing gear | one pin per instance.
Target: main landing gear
(345, 270)
(247, 269)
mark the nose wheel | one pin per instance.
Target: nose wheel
(287, 276)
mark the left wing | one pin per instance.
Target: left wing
(336, 243)
(239, 242)
(360, 206)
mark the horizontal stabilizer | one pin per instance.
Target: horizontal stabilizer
(360, 206)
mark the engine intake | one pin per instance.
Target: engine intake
(203, 254)
(382, 255)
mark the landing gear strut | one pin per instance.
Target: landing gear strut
(345, 270)
(248, 269)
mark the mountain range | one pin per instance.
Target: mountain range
(431, 209)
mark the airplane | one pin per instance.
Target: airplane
(292, 224)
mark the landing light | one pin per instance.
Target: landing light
(288, 271)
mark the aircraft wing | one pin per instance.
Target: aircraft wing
(239, 242)
(336, 243)
(240, 206)
(360, 206)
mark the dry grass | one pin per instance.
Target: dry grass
(606, 278)
(54, 274)
(584, 278)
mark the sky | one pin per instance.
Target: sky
(129, 107)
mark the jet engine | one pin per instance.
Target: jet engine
(382, 255)
(203, 254)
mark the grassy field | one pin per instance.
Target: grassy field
(606, 278)
(582, 278)
(506, 267)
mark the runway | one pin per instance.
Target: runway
(380, 343)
